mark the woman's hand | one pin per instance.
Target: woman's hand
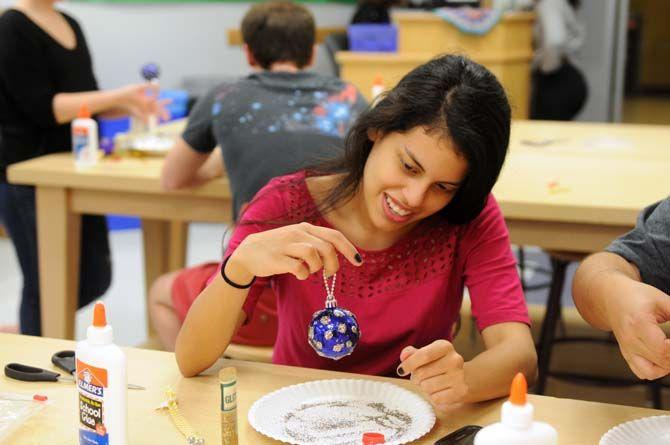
(141, 101)
(437, 369)
(299, 249)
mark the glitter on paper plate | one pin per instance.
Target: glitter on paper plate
(338, 412)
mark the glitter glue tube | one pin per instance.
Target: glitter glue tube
(228, 381)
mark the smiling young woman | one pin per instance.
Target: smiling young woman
(407, 220)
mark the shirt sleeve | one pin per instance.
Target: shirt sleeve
(266, 206)
(490, 270)
(199, 133)
(648, 245)
(25, 74)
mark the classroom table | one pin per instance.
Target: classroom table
(126, 186)
(565, 186)
(577, 422)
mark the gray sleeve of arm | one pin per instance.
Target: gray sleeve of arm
(199, 129)
(648, 245)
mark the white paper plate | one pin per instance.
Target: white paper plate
(152, 143)
(338, 412)
(648, 431)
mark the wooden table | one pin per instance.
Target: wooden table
(577, 186)
(577, 422)
(605, 174)
(127, 186)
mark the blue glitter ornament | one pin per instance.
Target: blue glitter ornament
(333, 331)
(150, 71)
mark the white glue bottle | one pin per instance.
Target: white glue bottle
(101, 383)
(377, 88)
(84, 139)
(516, 426)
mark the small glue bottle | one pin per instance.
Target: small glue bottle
(516, 426)
(84, 139)
(377, 88)
(101, 384)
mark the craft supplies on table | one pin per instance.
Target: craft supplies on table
(653, 430)
(228, 383)
(517, 425)
(101, 375)
(339, 412)
(64, 360)
(84, 139)
(172, 407)
(16, 409)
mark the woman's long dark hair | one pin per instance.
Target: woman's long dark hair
(450, 95)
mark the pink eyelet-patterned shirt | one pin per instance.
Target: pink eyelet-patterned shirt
(408, 294)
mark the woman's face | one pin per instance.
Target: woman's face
(410, 176)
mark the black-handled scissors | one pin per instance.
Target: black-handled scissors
(65, 361)
(25, 373)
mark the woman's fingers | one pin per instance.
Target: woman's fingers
(307, 253)
(337, 239)
(327, 252)
(297, 268)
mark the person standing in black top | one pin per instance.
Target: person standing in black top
(46, 74)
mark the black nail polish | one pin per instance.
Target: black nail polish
(358, 258)
(400, 371)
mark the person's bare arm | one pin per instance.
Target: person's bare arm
(185, 167)
(211, 323)
(599, 278)
(609, 294)
(509, 350)
(139, 100)
(298, 249)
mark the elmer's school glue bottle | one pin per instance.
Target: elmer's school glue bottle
(516, 426)
(84, 138)
(101, 383)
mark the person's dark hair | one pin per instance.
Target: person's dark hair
(279, 31)
(449, 95)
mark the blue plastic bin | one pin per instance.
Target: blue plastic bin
(373, 37)
(122, 222)
(108, 128)
(178, 108)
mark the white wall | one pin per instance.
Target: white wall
(187, 39)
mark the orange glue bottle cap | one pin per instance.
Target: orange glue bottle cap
(99, 316)
(84, 112)
(519, 390)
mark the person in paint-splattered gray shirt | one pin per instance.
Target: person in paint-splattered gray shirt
(626, 289)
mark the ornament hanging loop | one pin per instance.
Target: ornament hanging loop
(330, 290)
